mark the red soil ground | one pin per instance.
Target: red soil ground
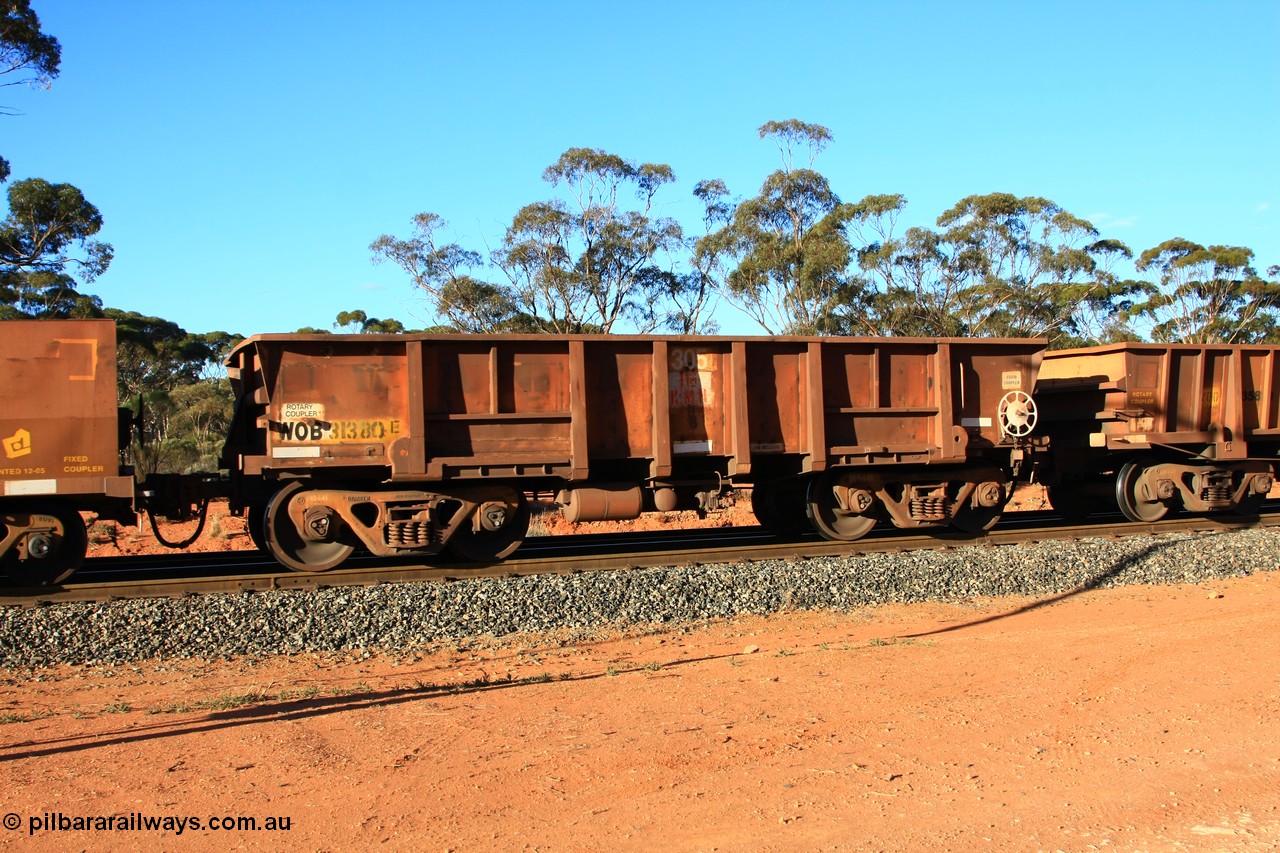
(1135, 719)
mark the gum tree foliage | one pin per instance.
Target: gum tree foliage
(917, 294)
(799, 260)
(185, 428)
(176, 378)
(694, 295)
(1024, 267)
(359, 323)
(586, 262)
(591, 262)
(1002, 266)
(28, 57)
(907, 281)
(1207, 295)
(46, 235)
(450, 276)
(788, 245)
(155, 356)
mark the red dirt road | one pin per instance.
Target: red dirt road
(1142, 718)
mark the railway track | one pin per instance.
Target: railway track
(109, 579)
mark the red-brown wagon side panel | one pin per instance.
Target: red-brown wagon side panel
(576, 408)
(619, 398)
(1156, 427)
(924, 432)
(59, 445)
(880, 398)
(777, 398)
(699, 402)
(903, 401)
(331, 401)
(429, 442)
(58, 410)
(494, 401)
(983, 375)
(1199, 390)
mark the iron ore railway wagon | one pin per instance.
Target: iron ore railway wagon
(1152, 428)
(415, 444)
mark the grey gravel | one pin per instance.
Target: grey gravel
(405, 616)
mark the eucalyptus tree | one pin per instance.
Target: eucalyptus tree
(590, 262)
(45, 238)
(1026, 267)
(357, 322)
(185, 428)
(788, 243)
(28, 56)
(1207, 295)
(917, 292)
(47, 234)
(907, 281)
(176, 379)
(693, 295)
(157, 355)
(447, 275)
(360, 323)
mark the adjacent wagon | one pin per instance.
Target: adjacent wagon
(62, 432)
(1155, 427)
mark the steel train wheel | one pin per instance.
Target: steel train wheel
(255, 521)
(979, 519)
(830, 519)
(781, 507)
(287, 544)
(53, 556)
(1133, 497)
(501, 529)
(1251, 505)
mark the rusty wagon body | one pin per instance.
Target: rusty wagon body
(1161, 426)
(61, 433)
(422, 443)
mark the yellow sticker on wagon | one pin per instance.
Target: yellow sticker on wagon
(18, 444)
(334, 432)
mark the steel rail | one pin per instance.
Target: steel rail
(563, 556)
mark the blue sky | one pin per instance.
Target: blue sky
(245, 154)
